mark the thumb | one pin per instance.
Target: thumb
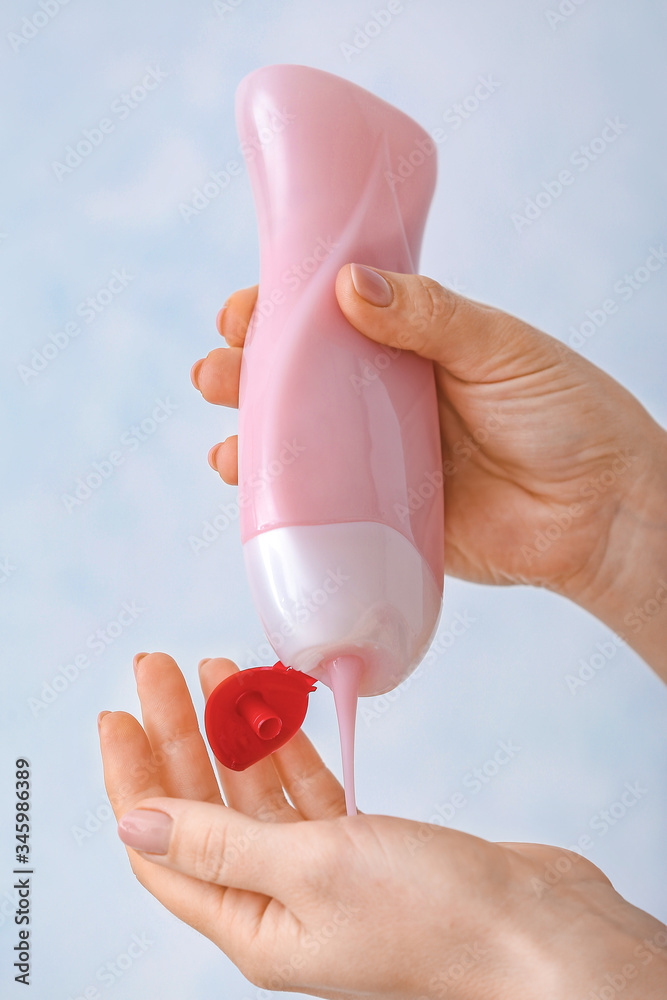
(472, 341)
(215, 844)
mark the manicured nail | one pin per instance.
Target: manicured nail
(202, 662)
(146, 830)
(212, 453)
(194, 372)
(100, 717)
(370, 285)
(220, 318)
(135, 661)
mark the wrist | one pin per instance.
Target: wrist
(583, 936)
(609, 944)
(629, 590)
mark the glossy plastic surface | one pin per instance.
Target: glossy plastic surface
(361, 587)
(333, 427)
(254, 712)
(340, 474)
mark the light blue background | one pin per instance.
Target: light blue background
(504, 678)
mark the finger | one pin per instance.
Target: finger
(130, 771)
(475, 342)
(223, 847)
(131, 774)
(232, 320)
(224, 458)
(569, 864)
(172, 728)
(257, 791)
(217, 376)
(314, 790)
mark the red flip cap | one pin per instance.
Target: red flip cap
(254, 712)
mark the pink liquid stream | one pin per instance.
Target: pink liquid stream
(343, 676)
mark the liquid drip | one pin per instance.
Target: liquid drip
(344, 675)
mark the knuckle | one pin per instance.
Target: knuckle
(211, 854)
(273, 808)
(139, 871)
(431, 305)
(438, 302)
(260, 975)
(325, 858)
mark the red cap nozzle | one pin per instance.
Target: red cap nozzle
(257, 714)
(254, 712)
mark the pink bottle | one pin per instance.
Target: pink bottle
(340, 467)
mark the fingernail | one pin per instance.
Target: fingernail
(370, 285)
(100, 717)
(146, 830)
(212, 454)
(135, 661)
(220, 317)
(202, 662)
(194, 372)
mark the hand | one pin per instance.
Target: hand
(302, 897)
(555, 475)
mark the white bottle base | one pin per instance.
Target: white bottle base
(326, 590)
